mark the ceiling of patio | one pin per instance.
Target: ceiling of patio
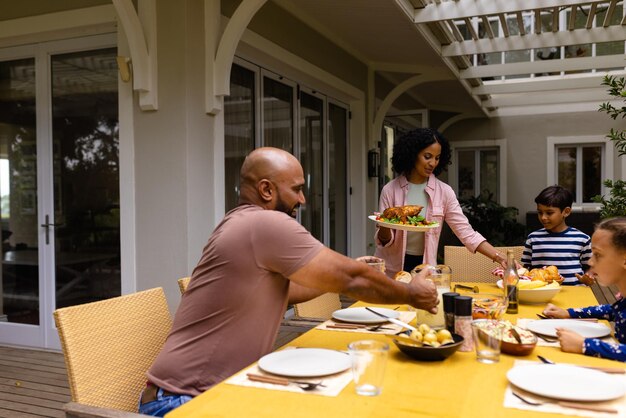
(492, 57)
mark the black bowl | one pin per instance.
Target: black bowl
(425, 352)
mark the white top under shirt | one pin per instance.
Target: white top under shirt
(417, 196)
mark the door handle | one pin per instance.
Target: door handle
(47, 226)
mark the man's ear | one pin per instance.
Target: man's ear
(567, 212)
(266, 190)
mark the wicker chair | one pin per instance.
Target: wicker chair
(317, 309)
(109, 345)
(468, 267)
(183, 283)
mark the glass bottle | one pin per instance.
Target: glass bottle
(510, 282)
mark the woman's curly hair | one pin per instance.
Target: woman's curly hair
(409, 145)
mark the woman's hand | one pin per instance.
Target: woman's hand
(552, 311)
(571, 342)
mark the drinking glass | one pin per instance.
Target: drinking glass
(487, 339)
(369, 359)
(440, 276)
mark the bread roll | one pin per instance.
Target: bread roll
(403, 276)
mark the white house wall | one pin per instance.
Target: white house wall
(526, 138)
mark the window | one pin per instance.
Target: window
(580, 164)
(266, 109)
(477, 169)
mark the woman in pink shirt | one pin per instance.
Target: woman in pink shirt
(419, 156)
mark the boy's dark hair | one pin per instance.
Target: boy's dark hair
(617, 226)
(409, 145)
(555, 196)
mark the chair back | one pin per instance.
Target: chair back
(468, 267)
(319, 308)
(110, 345)
(183, 283)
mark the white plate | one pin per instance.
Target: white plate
(363, 316)
(403, 227)
(562, 381)
(305, 362)
(586, 329)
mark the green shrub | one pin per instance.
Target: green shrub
(616, 204)
(497, 223)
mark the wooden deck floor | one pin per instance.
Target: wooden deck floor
(33, 383)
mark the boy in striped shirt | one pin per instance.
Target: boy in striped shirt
(557, 244)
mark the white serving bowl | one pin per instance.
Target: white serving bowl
(539, 295)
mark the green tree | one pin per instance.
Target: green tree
(615, 205)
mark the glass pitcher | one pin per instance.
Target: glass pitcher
(440, 276)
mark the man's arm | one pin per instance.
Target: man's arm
(330, 271)
(298, 293)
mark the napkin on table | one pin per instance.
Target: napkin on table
(334, 384)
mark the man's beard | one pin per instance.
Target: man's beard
(281, 206)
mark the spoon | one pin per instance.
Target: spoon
(516, 335)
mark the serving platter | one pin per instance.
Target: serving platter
(305, 362)
(402, 227)
(567, 382)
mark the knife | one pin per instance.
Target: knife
(393, 320)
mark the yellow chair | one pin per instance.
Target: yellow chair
(317, 309)
(183, 283)
(468, 267)
(110, 345)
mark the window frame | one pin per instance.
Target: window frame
(499, 144)
(607, 166)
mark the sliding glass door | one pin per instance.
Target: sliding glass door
(59, 183)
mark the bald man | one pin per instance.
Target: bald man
(257, 261)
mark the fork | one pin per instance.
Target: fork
(305, 386)
(574, 405)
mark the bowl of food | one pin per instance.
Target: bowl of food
(536, 291)
(429, 346)
(487, 306)
(509, 342)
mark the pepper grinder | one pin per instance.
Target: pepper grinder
(448, 309)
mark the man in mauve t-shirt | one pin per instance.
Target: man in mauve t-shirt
(258, 260)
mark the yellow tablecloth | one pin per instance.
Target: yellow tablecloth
(456, 387)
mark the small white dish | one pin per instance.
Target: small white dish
(586, 329)
(363, 316)
(305, 362)
(567, 382)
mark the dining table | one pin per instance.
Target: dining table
(458, 386)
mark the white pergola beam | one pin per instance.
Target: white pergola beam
(461, 9)
(548, 83)
(552, 97)
(547, 66)
(533, 40)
